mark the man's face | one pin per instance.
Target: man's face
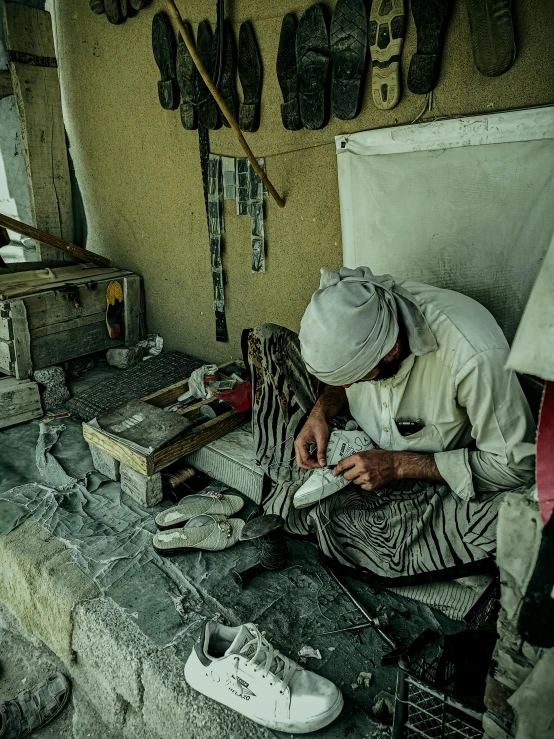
(387, 368)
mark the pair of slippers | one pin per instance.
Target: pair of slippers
(306, 50)
(204, 521)
(181, 83)
(118, 11)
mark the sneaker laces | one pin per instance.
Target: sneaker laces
(272, 660)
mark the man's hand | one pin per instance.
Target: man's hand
(377, 468)
(370, 470)
(315, 431)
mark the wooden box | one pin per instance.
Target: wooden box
(202, 432)
(48, 316)
(19, 401)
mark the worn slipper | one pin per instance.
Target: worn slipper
(114, 309)
(431, 20)
(348, 50)
(492, 35)
(228, 86)
(250, 75)
(33, 708)
(97, 6)
(312, 60)
(212, 503)
(387, 21)
(287, 74)
(208, 112)
(165, 54)
(186, 73)
(113, 11)
(213, 535)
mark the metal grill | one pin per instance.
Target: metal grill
(421, 711)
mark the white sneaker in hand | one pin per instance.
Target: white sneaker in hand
(239, 668)
(322, 483)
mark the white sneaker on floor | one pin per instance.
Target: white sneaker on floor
(322, 483)
(239, 668)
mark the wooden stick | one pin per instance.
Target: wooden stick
(172, 8)
(45, 238)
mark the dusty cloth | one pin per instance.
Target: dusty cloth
(475, 416)
(351, 323)
(413, 532)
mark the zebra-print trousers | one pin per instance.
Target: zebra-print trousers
(413, 532)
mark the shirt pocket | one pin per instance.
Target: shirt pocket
(428, 440)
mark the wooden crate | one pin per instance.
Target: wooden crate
(19, 401)
(202, 433)
(48, 316)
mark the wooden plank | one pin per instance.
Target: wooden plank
(21, 340)
(131, 306)
(6, 87)
(75, 342)
(48, 308)
(6, 357)
(4, 326)
(19, 401)
(38, 102)
(12, 286)
(57, 328)
(114, 449)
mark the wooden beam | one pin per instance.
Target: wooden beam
(59, 244)
(31, 57)
(6, 87)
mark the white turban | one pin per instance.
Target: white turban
(351, 323)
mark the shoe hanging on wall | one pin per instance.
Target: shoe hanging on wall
(312, 59)
(97, 6)
(387, 24)
(250, 75)
(492, 35)
(228, 86)
(186, 79)
(238, 667)
(348, 50)
(431, 21)
(208, 112)
(113, 11)
(287, 74)
(164, 47)
(139, 4)
(127, 10)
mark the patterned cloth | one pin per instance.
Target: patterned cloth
(412, 532)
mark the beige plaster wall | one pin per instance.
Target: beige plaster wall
(139, 170)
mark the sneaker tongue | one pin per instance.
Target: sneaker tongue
(244, 635)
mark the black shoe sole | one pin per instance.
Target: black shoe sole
(287, 74)
(113, 12)
(312, 61)
(208, 112)
(250, 75)
(492, 35)
(97, 6)
(164, 47)
(186, 73)
(431, 20)
(348, 50)
(387, 22)
(228, 87)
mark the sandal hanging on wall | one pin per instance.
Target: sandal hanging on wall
(431, 20)
(208, 112)
(228, 86)
(348, 50)
(250, 75)
(164, 46)
(139, 4)
(387, 22)
(186, 78)
(287, 74)
(113, 11)
(492, 35)
(312, 59)
(97, 6)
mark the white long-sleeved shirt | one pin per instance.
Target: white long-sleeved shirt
(476, 419)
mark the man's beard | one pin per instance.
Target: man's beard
(387, 369)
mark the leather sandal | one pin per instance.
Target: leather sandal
(431, 20)
(186, 74)
(492, 35)
(208, 112)
(31, 709)
(387, 22)
(348, 50)
(250, 75)
(164, 47)
(287, 74)
(312, 59)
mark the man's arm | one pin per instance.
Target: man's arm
(375, 469)
(316, 429)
